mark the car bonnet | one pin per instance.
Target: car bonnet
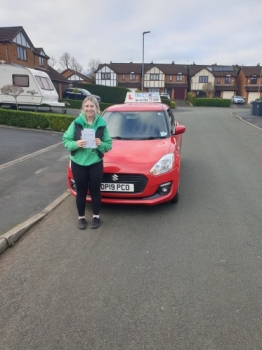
(137, 151)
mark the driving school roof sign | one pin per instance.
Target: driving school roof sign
(142, 97)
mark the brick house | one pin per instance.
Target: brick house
(75, 77)
(160, 78)
(171, 78)
(223, 79)
(249, 82)
(127, 75)
(17, 49)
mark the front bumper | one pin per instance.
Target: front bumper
(157, 190)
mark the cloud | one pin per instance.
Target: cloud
(204, 32)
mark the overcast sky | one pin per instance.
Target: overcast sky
(183, 31)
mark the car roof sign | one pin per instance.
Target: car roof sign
(134, 97)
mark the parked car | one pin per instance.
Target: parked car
(79, 94)
(238, 100)
(143, 166)
(165, 94)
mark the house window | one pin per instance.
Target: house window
(123, 77)
(41, 61)
(253, 79)
(21, 53)
(132, 76)
(179, 77)
(154, 76)
(21, 40)
(218, 80)
(170, 77)
(44, 83)
(153, 90)
(228, 79)
(105, 76)
(203, 79)
(20, 80)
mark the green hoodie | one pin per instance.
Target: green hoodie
(86, 156)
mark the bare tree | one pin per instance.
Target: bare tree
(52, 62)
(75, 65)
(64, 60)
(12, 90)
(208, 88)
(93, 65)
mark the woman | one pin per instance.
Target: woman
(87, 163)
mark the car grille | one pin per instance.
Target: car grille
(139, 181)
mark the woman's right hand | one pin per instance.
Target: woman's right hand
(81, 143)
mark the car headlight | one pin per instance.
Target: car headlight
(164, 165)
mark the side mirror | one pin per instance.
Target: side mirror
(179, 129)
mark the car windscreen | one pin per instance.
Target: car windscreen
(85, 92)
(136, 125)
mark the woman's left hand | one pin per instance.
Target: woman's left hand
(98, 142)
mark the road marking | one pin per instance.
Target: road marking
(243, 120)
(63, 158)
(40, 170)
(28, 156)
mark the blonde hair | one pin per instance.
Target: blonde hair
(94, 101)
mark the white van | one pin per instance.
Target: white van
(39, 90)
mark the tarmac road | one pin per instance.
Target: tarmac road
(183, 277)
(32, 173)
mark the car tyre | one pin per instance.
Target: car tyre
(175, 199)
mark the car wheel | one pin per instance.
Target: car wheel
(175, 199)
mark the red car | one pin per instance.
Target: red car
(143, 166)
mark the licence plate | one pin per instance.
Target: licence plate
(118, 187)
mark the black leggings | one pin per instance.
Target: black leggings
(88, 178)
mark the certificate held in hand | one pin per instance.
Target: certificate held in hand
(88, 135)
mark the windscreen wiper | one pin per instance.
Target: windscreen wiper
(121, 138)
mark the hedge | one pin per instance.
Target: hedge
(212, 102)
(35, 120)
(108, 94)
(170, 103)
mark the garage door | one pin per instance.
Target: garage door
(179, 93)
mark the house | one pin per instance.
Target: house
(222, 78)
(249, 82)
(17, 49)
(75, 77)
(127, 75)
(170, 78)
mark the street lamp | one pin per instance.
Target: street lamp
(143, 61)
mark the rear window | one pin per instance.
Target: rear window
(44, 83)
(136, 125)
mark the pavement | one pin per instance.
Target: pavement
(13, 235)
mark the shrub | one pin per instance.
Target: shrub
(190, 97)
(172, 104)
(212, 102)
(34, 120)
